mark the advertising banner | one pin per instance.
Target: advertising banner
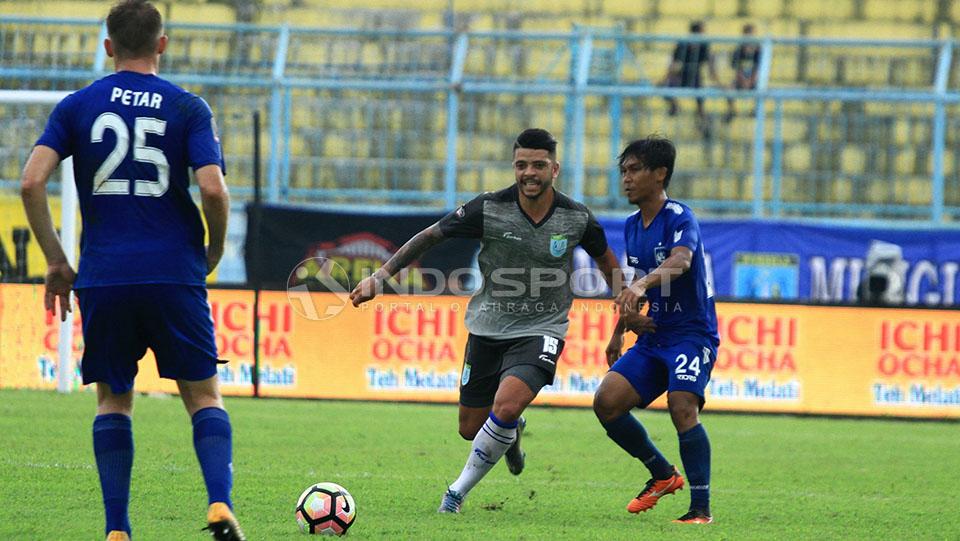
(766, 259)
(359, 243)
(29, 338)
(748, 259)
(773, 357)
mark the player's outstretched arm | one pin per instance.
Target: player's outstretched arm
(370, 287)
(216, 208)
(633, 297)
(33, 191)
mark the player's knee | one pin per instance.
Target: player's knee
(468, 432)
(684, 413)
(606, 407)
(508, 411)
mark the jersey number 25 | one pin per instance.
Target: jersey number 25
(102, 183)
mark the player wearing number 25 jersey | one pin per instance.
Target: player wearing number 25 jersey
(134, 138)
(665, 249)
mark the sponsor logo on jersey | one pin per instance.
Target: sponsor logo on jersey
(633, 260)
(511, 236)
(558, 245)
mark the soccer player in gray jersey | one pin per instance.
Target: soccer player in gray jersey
(519, 317)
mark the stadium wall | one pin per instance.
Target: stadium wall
(774, 357)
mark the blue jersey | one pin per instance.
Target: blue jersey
(688, 311)
(133, 138)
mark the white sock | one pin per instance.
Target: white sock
(488, 446)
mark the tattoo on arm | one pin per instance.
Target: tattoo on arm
(412, 250)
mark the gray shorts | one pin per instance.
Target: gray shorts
(532, 359)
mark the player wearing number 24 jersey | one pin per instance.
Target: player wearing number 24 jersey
(665, 249)
(134, 138)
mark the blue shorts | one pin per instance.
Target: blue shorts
(121, 322)
(652, 369)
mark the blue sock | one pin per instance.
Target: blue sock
(629, 434)
(695, 454)
(113, 449)
(212, 440)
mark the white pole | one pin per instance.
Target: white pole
(68, 236)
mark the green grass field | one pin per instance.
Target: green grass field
(774, 477)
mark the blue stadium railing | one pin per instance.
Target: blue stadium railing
(840, 129)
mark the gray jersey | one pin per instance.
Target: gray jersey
(526, 267)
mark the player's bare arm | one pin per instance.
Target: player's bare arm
(216, 208)
(369, 287)
(33, 190)
(633, 297)
(627, 321)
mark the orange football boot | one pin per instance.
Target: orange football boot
(695, 516)
(654, 490)
(222, 524)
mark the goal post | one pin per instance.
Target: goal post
(66, 371)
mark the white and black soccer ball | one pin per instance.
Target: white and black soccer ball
(326, 509)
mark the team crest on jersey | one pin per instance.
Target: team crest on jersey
(558, 245)
(660, 253)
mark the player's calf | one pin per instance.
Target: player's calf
(515, 456)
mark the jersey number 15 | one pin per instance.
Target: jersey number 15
(102, 183)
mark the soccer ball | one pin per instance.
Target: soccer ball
(325, 509)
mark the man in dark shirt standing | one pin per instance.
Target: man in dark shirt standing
(746, 64)
(684, 71)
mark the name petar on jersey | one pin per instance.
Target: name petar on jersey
(688, 310)
(133, 137)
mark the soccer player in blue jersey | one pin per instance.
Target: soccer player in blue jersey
(664, 247)
(141, 281)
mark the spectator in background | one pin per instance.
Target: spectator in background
(745, 64)
(684, 71)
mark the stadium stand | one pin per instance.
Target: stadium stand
(343, 139)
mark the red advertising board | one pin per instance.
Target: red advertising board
(773, 358)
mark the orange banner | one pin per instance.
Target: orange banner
(773, 358)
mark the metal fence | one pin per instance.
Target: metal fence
(836, 129)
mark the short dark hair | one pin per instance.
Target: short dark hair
(696, 27)
(653, 152)
(748, 28)
(536, 138)
(134, 27)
